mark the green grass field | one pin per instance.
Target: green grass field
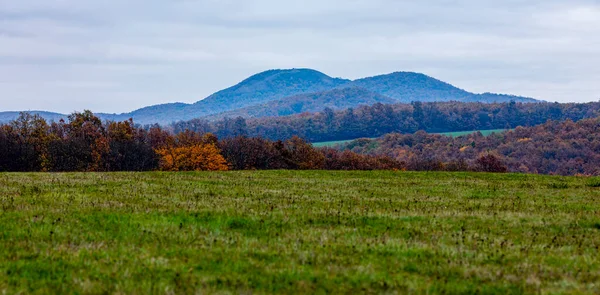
(299, 232)
(462, 133)
(333, 143)
(452, 134)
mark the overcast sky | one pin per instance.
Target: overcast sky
(117, 56)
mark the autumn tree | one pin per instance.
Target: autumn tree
(244, 153)
(188, 151)
(301, 155)
(24, 143)
(130, 148)
(10, 151)
(348, 160)
(79, 145)
(490, 163)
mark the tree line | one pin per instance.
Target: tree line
(380, 119)
(85, 143)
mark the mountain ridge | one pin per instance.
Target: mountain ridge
(281, 84)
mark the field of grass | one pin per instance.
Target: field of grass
(299, 232)
(462, 133)
(452, 134)
(333, 143)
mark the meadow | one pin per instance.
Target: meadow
(451, 134)
(483, 132)
(293, 232)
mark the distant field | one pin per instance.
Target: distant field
(483, 132)
(452, 134)
(299, 232)
(332, 143)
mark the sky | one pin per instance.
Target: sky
(116, 56)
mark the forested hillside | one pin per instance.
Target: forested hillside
(337, 99)
(380, 119)
(556, 147)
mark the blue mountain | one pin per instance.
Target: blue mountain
(275, 91)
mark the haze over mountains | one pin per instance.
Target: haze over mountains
(293, 91)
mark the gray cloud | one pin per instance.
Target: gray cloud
(116, 56)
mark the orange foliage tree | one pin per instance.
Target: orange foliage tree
(185, 153)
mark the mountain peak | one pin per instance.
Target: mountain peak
(273, 84)
(399, 75)
(293, 71)
(405, 73)
(411, 86)
(286, 74)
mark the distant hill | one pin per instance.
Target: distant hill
(337, 99)
(258, 89)
(6, 117)
(284, 92)
(407, 87)
(493, 97)
(268, 86)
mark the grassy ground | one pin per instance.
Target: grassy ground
(462, 133)
(452, 134)
(333, 143)
(299, 232)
